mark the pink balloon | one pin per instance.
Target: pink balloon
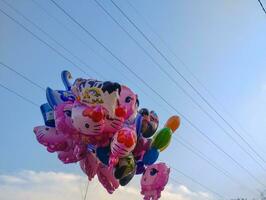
(129, 101)
(153, 181)
(63, 121)
(88, 120)
(52, 139)
(107, 179)
(124, 142)
(67, 156)
(89, 165)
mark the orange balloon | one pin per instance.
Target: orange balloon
(173, 123)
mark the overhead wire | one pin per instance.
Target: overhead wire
(86, 191)
(160, 38)
(190, 84)
(53, 39)
(180, 87)
(21, 75)
(85, 43)
(196, 182)
(183, 143)
(154, 91)
(210, 162)
(21, 96)
(42, 41)
(262, 6)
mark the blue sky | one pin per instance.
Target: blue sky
(222, 43)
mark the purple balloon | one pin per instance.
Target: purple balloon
(140, 167)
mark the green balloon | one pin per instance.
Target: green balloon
(125, 166)
(162, 139)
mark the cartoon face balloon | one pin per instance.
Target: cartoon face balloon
(129, 101)
(153, 180)
(49, 137)
(150, 122)
(123, 143)
(88, 120)
(92, 93)
(63, 121)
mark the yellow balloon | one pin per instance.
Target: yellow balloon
(173, 123)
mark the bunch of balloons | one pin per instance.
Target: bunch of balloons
(99, 124)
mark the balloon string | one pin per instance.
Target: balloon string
(86, 192)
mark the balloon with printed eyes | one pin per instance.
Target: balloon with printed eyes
(122, 144)
(154, 180)
(97, 123)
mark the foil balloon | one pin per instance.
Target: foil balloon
(107, 179)
(56, 97)
(162, 139)
(149, 123)
(50, 138)
(124, 167)
(154, 180)
(92, 92)
(48, 115)
(129, 103)
(66, 77)
(173, 123)
(88, 120)
(99, 124)
(89, 165)
(124, 142)
(151, 156)
(125, 180)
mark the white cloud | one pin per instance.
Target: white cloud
(31, 185)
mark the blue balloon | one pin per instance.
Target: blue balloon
(56, 97)
(91, 148)
(150, 156)
(48, 115)
(65, 76)
(103, 154)
(138, 122)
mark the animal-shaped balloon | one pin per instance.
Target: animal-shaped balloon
(123, 143)
(129, 103)
(125, 166)
(63, 121)
(153, 181)
(50, 138)
(106, 178)
(92, 92)
(88, 120)
(89, 165)
(149, 123)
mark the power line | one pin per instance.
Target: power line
(22, 76)
(188, 68)
(50, 37)
(91, 49)
(37, 85)
(183, 143)
(197, 182)
(192, 179)
(180, 87)
(42, 41)
(262, 6)
(201, 155)
(194, 89)
(154, 91)
(19, 95)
